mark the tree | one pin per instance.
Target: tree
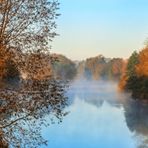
(135, 79)
(26, 28)
(63, 68)
(142, 67)
(129, 76)
(94, 67)
(113, 68)
(26, 25)
(37, 66)
(131, 66)
(131, 71)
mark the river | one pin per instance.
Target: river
(100, 117)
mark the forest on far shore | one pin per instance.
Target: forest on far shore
(132, 74)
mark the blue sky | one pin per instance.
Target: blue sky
(114, 28)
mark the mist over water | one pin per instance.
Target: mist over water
(100, 117)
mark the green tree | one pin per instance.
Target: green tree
(132, 62)
(136, 83)
(131, 72)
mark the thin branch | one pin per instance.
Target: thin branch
(16, 120)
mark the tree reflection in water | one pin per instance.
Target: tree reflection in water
(23, 111)
(136, 114)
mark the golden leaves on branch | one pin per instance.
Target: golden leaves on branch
(37, 66)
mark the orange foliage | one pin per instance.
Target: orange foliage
(4, 56)
(122, 83)
(37, 67)
(124, 78)
(142, 67)
(118, 66)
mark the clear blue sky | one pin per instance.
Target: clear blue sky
(114, 28)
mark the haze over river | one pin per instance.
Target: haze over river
(100, 117)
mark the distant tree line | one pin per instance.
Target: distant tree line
(101, 68)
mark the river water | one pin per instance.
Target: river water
(100, 117)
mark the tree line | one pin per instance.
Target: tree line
(99, 67)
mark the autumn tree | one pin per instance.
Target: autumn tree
(135, 79)
(37, 66)
(129, 74)
(142, 73)
(26, 28)
(94, 67)
(114, 68)
(142, 67)
(123, 77)
(101, 68)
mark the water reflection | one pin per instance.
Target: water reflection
(136, 114)
(95, 92)
(23, 111)
(100, 117)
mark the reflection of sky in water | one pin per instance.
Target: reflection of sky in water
(90, 125)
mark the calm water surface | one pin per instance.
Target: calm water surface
(100, 117)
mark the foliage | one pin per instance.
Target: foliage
(26, 29)
(27, 25)
(101, 68)
(37, 66)
(93, 67)
(129, 76)
(96, 66)
(114, 69)
(12, 73)
(123, 82)
(63, 68)
(142, 67)
(131, 66)
(135, 78)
